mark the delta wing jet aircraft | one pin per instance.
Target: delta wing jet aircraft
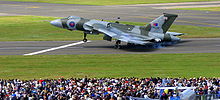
(156, 31)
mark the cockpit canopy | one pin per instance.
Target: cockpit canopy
(73, 17)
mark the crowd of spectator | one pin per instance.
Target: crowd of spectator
(102, 88)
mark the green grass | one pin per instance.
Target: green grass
(36, 28)
(202, 8)
(196, 31)
(110, 2)
(110, 65)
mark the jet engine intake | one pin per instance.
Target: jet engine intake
(155, 40)
(94, 32)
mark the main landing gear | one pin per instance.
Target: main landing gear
(117, 44)
(84, 39)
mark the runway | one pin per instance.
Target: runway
(210, 45)
(136, 13)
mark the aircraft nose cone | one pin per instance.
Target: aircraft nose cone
(56, 23)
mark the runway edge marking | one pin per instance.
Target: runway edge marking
(55, 48)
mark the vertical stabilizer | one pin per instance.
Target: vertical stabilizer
(162, 23)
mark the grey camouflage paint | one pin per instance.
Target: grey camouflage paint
(156, 30)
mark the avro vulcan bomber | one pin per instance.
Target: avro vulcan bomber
(156, 31)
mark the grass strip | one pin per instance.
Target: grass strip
(110, 65)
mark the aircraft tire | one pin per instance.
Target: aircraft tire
(84, 40)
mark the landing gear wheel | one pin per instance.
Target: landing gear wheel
(117, 44)
(84, 39)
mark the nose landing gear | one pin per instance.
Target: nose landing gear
(84, 38)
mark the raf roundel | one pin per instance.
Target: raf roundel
(71, 24)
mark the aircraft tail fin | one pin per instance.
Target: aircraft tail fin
(162, 23)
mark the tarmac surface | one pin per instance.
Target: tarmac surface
(136, 13)
(210, 45)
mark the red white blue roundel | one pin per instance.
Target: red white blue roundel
(71, 24)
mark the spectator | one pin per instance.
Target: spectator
(102, 88)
